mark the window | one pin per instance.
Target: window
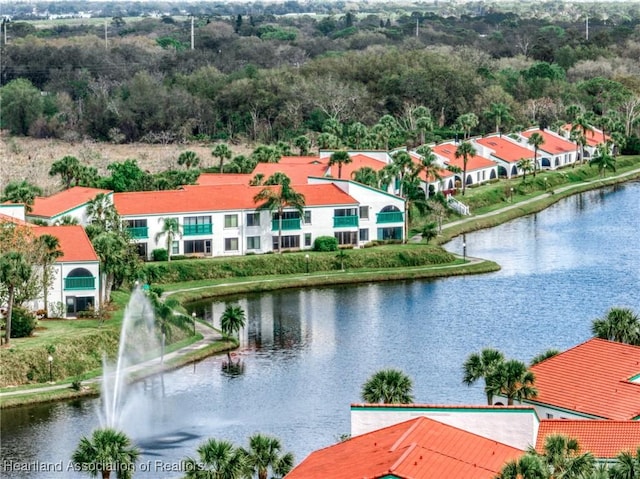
(364, 212)
(345, 212)
(197, 247)
(142, 250)
(307, 239)
(287, 242)
(231, 244)
(253, 242)
(197, 225)
(137, 228)
(390, 233)
(230, 221)
(364, 235)
(549, 416)
(346, 237)
(307, 217)
(75, 304)
(175, 247)
(253, 219)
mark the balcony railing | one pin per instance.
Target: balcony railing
(83, 282)
(202, 229)
(139, 232)
(345, 221)
(389, 217)
(287, 224)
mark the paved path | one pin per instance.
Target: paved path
(209, 335)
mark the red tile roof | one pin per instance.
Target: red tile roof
(297, 172)
(63, 201)
(448, 151)
(194, 199)
(357, 161)
(16, 221)
(209, 179)
(417, 449)
(594, 138)
(300, 160)
(592, 378)
(604, 439)
(552, 143)
(74, 242)
(505, 149)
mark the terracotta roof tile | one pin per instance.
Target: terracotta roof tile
(16, 221)
(194, 199)
(592, 378)
(357, 161)
(594, 138)
(552, 143)
(604, 439)
(297, 172)
(63, 201)
(505, 149)
(417, 449)
(74, 242)
(448, 151)
(209, 179)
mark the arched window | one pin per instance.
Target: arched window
(389, 209)
(79, 273)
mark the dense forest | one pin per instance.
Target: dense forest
(363, 78)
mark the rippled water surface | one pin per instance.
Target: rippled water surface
(306, 353)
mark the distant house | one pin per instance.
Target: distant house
(505, 152)
(555, 152)
(72, 202)
(593, 138)
(479, 168)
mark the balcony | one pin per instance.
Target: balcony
(138, 232)
(81, 282)
(193, 230)
(345, 221)
(287, 224)
(389, 217)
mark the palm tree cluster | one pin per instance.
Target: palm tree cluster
(619, 324)
(509, 378)
(388, 386)
(106, 451)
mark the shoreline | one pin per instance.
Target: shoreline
(201, 348)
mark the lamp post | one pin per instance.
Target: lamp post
(511, 195)
(464, 251)
(306, 259)
(193, 315)
(545, 183)
(50, 359)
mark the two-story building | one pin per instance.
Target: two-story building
(72, 202)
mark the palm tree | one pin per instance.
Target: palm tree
(223, 152)
(265, 453)
(367, 176)
(14, 272)
(388, 386)
(424, 124)
(166, 316)
(582, 125)
(513, 380)
(339, 158)
(277, 199)
(112, 250)
(620, 324)
(188, 159)
(428, 164)
(356, 134)
(603, 160)
(217, 460)
(68, 168)
(479, 366)
(102, 213)
(549, 353)
(465, 151)
(106, 451)
(49, 252)
(171, 228)
(466, 123)
(232, 320)
(562, 459)
(580, 140)
(626, 466)
(500, 113)
(529, 466)
(525, 165)
(21, 192)
(536, 140)
(303, 144)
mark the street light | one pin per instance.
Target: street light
(545, 184)
(193, 315)
(50, 359)
(306, 259)
(464, 251)
(511, 195)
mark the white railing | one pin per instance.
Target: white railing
(458, 206)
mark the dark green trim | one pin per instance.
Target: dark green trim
(634, 378)
(566, 411)
(516, 409)
(355, 183)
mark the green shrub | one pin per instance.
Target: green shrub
(23, 322)
(160, 254)
(325, 243)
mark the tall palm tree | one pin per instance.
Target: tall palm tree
(467, 122)
(388, 386)
(14, 272)
(580, 140)
(620, 324)
(217, 460)
(536, 140)
(626, 466)
(356, 134)
(303, 144)
(465, 150)
(49, 251)
(165, 316)
(106, 451)
(171, 228)
(265, 453)
(428, 164)
(188, 158)
(500, 113)
(223, 152)
(525, 165)
(367, 176)
(68, 168)
(21, 192)
(339, 158)
(529, 466)
(277, 199)
(582, 125)
(479, 366)
(102, 213)
(513, 380)
(112, 250)
(562, 458)
(603, 160)
(232, 320)
(424, 124)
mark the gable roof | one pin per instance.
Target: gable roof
(594, 137)
(552, 143)
(297, 172)
(202, 199)
(417, 449)
(64, 201)
(592, 378)
(604, 439)
(448, 151)
(505, 149)
(357, 161)
(74, 242)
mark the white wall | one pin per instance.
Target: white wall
(517, 427)
(14, 211)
